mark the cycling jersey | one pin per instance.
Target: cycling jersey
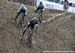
(22, 9)
(32, 24)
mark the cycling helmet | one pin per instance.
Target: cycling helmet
(40, 3)
(35, 18)
(22, 5)
(65, 0)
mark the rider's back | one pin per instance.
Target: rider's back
(23, 7)
(33, 22)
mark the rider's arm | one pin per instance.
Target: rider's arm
(35, 8)
(36, 26)
(26, 11)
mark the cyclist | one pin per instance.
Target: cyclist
(33, 23)
(39, 7)
(21, 10)
(66, 4)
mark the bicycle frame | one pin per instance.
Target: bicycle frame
(40, 15)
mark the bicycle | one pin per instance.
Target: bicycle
(29, 34)
(40, 15)
(30, 39)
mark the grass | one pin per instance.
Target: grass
(52, 36)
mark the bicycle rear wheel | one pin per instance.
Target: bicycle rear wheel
(30, 39)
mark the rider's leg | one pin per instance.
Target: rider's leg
(41, 15)
(40, 18)
(23, 32)
(23, 18)
(22, 21)
(32, 29)
(16, 17)
(26, 27)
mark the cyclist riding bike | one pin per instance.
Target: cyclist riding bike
(39, 9)
(21, 10)
(66, 4)
(33, 23)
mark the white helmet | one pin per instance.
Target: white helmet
(35, 18)
(22, 5)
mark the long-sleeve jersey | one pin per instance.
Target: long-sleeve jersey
(24, 7)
